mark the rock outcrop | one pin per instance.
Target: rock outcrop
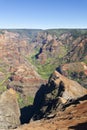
(9, 110)
(53, 96)
(76, 71)
(61, 104)
(73, 118)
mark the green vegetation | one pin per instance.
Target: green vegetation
(78, 32)
(2, 88)
(75, 32)
(1, 31)
(20, 100)
(57, 32)
(2, 83)
(85, 61)
(51, 63)
(29, 100)
(31, 33)
(4, 76)
(46, 69)
(24, 101)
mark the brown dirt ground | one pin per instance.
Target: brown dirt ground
(73, 118)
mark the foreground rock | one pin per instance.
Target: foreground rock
(62, 105)
(72, 118)
(58, 93)
(9, 110)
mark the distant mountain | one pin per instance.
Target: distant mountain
(72, 41)
(78, 49)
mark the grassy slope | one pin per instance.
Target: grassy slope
(74, 32)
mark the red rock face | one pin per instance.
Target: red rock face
(13, 52)
(54, 47)
(24, 74)
(27, 78)
(78, 49)
(12, 48)
(65, 46)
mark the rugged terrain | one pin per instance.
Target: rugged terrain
(15, 69)
(58, 48)
(9, 110)
(64, 106)
(60, 104)
(28, 58)
(73, 118)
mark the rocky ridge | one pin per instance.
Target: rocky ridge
(60, 104)
(63, 106)
(55, 95)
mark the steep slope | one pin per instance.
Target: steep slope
(58, 47)
(76, 71)
(51, 52)
(46, 50)
(9, 110)
(65, 45)
(73, 118)
(78, 50)
(54, 47)
(62, 103)
(53, 96)
(15, 69)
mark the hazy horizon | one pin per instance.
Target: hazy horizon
(42, 29)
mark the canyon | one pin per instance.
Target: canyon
(47, 69)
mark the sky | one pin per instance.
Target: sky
(43, 14)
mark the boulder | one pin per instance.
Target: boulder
(53, 96)
(9, 110)
(72, 89)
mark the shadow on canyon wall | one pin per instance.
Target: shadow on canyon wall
(80, 126)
